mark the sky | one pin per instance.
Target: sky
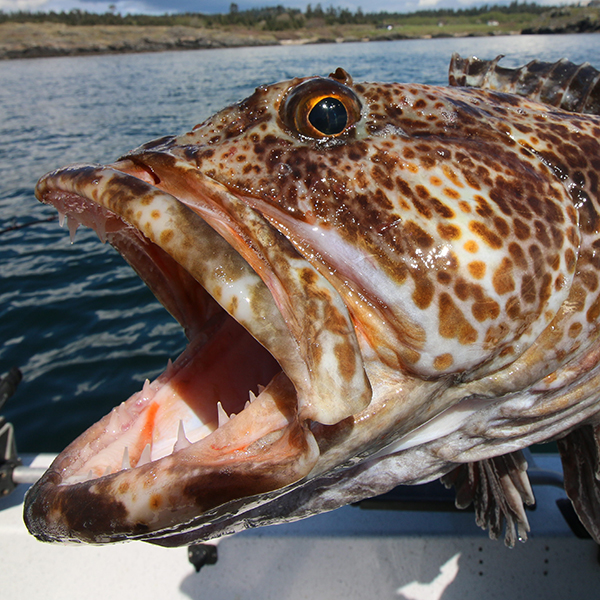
(222, 6)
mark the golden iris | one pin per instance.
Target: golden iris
(320, 108)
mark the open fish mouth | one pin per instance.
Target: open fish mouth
(232, 416)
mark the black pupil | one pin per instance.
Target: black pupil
(329, 116)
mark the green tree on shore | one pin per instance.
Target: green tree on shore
(271, 18)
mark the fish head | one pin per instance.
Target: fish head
(362, 257)
(405, 203)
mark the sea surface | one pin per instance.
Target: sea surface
(75, 319)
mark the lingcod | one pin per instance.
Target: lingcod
(381, 284)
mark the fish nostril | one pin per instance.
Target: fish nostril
(147, 169)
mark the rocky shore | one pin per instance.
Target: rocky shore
(32, 40)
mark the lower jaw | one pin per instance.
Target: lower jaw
(263, 448)
(174, 494)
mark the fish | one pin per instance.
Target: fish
(381, 284)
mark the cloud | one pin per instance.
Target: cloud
(159, 7)
(123, 6)
(14, 5)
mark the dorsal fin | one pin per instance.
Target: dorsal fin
(563, 84)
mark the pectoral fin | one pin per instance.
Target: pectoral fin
(498, 488)
(579, 453)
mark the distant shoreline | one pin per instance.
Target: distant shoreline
(37, 40)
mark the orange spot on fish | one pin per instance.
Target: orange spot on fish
(471, 246)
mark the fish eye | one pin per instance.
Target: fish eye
(320, 108)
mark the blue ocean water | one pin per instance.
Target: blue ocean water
(73, 317)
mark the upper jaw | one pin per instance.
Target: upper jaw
(193, 243)
(188, 230)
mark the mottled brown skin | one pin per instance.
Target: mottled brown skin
(426, 275)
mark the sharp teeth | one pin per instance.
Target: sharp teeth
(252, 396)
(247, 404)
(182, 442)
(147, 392)
(223, 418)
(61, 218)
(145, 457)
(107, 471)
(114, 425)
(126, 464)
(261, 389)
(90, 475)
(169, 371)
(73, 225)
(100, 230)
